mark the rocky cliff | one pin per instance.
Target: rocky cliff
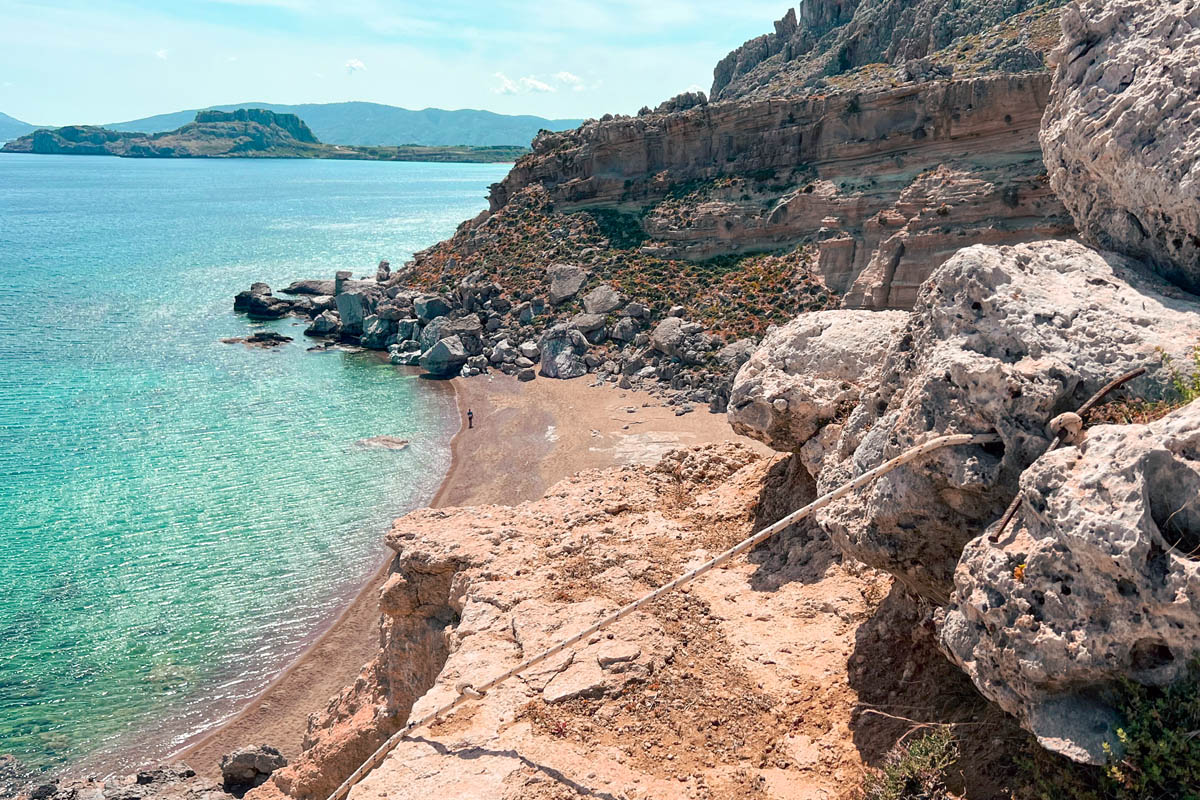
(834, 40)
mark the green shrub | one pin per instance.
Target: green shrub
(1186, 386)
(1161, 751)
(915, 771)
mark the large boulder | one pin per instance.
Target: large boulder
(352, 310)
(667, 337)
(1121, 135)
(250, 766)
(562, 350)
(565, 282)
(325, 324)
(429, 307)
(808, 372)
(310, 287)
(445, 359)
(376, 332)
(1001, 340)
(604, 299)
(1096, 579)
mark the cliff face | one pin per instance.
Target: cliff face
(887, 185)
(836, 37)
(290, 123)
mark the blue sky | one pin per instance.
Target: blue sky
(71, 61)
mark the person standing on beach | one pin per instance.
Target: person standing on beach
(470, 418)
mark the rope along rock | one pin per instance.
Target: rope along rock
(467, 692)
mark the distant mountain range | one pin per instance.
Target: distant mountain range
(11, 128)
(359, 123)
(244, 133)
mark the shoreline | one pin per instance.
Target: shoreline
(530, 436)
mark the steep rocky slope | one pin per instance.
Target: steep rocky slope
(832, 41)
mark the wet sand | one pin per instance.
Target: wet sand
(526, 437)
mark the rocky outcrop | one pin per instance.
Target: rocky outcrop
(250, 766)
(832, 37)
(1095, 580)
(888, 184)
(173, 782)
(696, 694)
(809, 372)
(1001, 340)
(1121, 137)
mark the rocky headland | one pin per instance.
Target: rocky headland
(243, 133)
(854, 247)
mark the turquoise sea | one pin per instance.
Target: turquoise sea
(178, 516)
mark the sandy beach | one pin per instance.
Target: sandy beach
(526, 437)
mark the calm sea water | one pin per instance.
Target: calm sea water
(178, 516)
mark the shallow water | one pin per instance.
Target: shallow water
(178, 516)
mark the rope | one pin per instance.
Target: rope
(467, 692)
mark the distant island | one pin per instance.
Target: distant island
(243, 133)
(356, 123)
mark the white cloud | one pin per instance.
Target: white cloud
(523, 85)
(161, 54)
(571, 80)
(354, 65)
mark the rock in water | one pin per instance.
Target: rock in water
(1095, 580)
(1002, 339)
(250, 766)
(327, 323)
(310, 287)
(351, 306)
(1120, 135)
(562, 351)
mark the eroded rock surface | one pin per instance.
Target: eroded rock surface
(1097, 579)
(806, 373)
(1122, 131)
(1002, 340)
(685, 697)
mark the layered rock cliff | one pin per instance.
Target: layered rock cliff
(877, 184)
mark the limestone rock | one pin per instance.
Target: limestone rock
(170, 782)
(1001, 340)
(1120, 136)
(809, 371)
(327, 323)
(376, 332)
(604, 299)
(352, 310)
(565, 282)
(428, 307)
(446, 358)
(250, 766)
(310, 287)
(668, 336)
(1096, 579)
(562, 350)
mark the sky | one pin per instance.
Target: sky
(87, 61)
